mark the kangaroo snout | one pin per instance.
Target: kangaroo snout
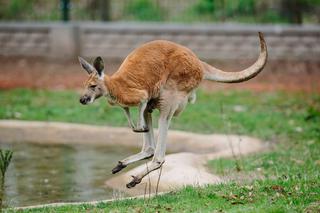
(84, 100)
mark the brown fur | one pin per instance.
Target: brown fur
(154, 65)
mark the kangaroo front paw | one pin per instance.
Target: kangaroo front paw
(118, 168)
(141, 129)
(134, 182)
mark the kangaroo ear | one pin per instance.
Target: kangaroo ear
(99, 65)
(86, 66)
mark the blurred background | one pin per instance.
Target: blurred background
(40, 79)
(187, 11)
(42, 35)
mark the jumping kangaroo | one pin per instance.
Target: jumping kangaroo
(157, 75)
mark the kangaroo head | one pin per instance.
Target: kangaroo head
(94, 86)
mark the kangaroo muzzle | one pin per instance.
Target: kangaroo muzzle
(85, 99)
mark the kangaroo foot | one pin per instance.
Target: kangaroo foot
(134, 182)
(141, 129)
(118, 168)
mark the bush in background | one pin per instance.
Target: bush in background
(143, 10)
(246, 11)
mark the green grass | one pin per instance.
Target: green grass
(290, 171)
(259, 196)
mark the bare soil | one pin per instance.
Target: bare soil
(291, 76)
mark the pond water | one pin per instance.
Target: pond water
(41, 174)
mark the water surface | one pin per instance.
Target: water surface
(41, 174)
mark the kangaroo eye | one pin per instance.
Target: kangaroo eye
(92, 86)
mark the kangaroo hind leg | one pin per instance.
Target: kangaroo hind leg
(147, 148)
(159, 156)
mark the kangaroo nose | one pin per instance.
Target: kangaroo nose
(83, 100)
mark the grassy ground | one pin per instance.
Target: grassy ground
(290, 171)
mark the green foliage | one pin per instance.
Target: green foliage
(235, 10)
(246, 7)
(15, 9)
(144, 10)
(248, 11)
(227, 7)
(252, 10)
(5, 158)
(305, 3)
(21, 10)
(205, 6)
(271, 16)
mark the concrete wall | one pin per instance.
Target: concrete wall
(116, 40)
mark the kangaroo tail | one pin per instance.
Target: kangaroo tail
(214, 74)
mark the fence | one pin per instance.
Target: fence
(116, 40)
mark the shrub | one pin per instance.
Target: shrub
(144, 10)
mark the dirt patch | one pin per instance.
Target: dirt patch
(189, 168)
(50, 74)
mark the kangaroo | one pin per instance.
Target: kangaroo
(157, 75)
